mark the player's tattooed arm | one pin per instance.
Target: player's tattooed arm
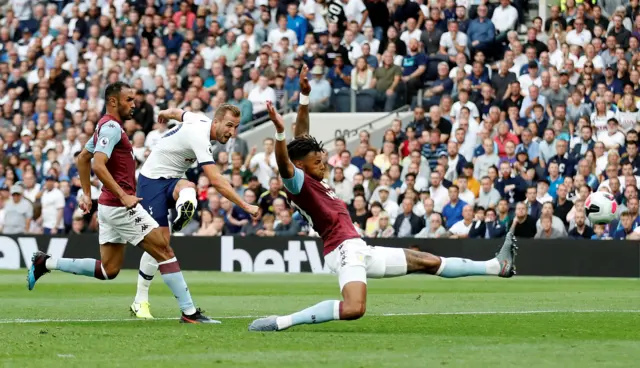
(285, 167)
(302, 119)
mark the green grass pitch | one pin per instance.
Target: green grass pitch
(415, 321)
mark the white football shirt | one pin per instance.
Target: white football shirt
(180, 147)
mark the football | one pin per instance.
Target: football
(600, 207)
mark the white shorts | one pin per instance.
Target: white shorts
(120, 225)
(355, 260)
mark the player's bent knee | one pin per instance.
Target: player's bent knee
(352, 311)
(111, 272)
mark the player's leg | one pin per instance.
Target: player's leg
(392, 262)
(186, 200)
(150, 238)
(503, 264)
(155, 194)
(349, 262)
(108, 267)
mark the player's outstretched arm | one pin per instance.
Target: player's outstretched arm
(302, 119)
(285, 167)
(170, 114)
(224, 187)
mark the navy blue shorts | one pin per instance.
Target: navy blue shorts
(157, 197)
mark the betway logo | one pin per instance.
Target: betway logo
(270, 260)
(10, 250)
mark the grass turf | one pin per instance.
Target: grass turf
(474, 322)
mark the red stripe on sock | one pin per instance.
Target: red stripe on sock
(340, 309)
(97, 272)
(172, 267)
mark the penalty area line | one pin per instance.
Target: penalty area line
(461, 313)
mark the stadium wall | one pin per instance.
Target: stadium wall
(562, 257)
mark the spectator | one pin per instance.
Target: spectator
(287, 227)
(562, 205)
(580, 36)
(407, 224)
(268, 225)
(18, 213)
(556, 222)
(385, 81)
(581, 230)
(481, 31)
(534, 208)
(461, 228)
(487, 228)
(452, 211)
(53, 203)
(320, 91)
(413, 68)
(546, 231)
(525, 226)
(266, 201)
(504, 18)
(339, 74)
(259, 96)
(385, 230)
(263, 164)
(435, 229)
(453, 42)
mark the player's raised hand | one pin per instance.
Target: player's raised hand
(130, 201)
(85, 204)
(275, 117)
(305, 87)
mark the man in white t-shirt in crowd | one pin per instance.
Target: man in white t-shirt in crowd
(260, 94)
(263, 164)
(52, 201)
(461, 228)
(31, 187)
(389, 206)
(438, 192)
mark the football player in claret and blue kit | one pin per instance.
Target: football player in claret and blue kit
(354, 261)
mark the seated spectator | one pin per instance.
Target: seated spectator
(435, 229)
(371, 226)
(562, 205)
(287, 227)
(384, 228)
(452, 211)
(581, 230)
(407, 224)
(546, 231)
(339, 75)
(525, 226)
(268, 225)
(385, 82)
(481, 31)
(534, 208)
(556, 222)
(442, 86)
(260, 95)
(488, 227)
(320, 91)
(453, 42)
(414, 65)
(461, 228)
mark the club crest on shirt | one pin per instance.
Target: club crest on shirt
(210, 150)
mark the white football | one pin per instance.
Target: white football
(601, 207)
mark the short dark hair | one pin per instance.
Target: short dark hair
(114, 89)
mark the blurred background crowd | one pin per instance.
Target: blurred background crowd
(513, 117)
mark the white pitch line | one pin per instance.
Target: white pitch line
(462, 313)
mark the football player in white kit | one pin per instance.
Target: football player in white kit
(161, 182)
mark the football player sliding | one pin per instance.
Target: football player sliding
(354, 261)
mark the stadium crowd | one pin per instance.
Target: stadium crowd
(507, 125)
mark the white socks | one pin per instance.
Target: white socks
(51, 264)
(148, 268)
(187, 195)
